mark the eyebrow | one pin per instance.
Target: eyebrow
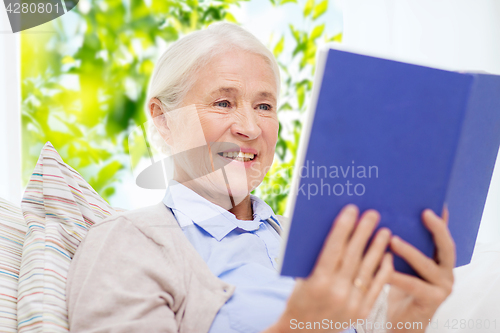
(268, 95)
(227, 90)
(232, 90)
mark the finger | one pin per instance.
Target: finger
(357, 244)
(445, 246)
(423, 265)
(410, 284)
(374, 255)
(335, 243)
(445, 215)
(382, 277)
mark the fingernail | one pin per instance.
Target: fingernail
(373, 214)
(350, 208)
(428, 211)
(384, 232)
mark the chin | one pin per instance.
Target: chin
(238, 187)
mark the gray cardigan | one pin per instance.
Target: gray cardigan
(137, 272)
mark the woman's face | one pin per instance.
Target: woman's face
(235, 98)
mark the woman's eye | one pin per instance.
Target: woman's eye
(265, 107)
(223, 104)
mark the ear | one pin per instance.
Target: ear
(157, 113)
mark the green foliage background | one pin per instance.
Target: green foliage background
(108, 54)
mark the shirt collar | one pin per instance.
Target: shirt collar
(212, 218)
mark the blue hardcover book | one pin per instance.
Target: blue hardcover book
(398, 138)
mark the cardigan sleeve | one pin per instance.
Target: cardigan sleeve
(116, 283)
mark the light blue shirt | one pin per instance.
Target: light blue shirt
(242, 253)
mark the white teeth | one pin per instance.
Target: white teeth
(240, 156)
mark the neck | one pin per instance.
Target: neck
(243, 210)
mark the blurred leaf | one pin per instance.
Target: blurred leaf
(337, 38)
(299, 48)
(320, 9)
(308, 7)
(317, 31)
(285, 106)
(106, 173)
(279, 47)
(193, 19)
(301, 95)
(169, 34)
(68, 60)
(108, 192)
(295, 33)
(230, 18)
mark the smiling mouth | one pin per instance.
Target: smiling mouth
(238, 156)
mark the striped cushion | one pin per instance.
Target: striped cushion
(12, 231)
(58, 206)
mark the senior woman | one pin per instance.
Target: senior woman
(204, 259)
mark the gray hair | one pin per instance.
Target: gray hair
(174, 73)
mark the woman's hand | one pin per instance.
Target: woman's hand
(345, 281)
(413, 300)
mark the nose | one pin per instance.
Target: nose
(246, 124)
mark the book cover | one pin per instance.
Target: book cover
(397, 138)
